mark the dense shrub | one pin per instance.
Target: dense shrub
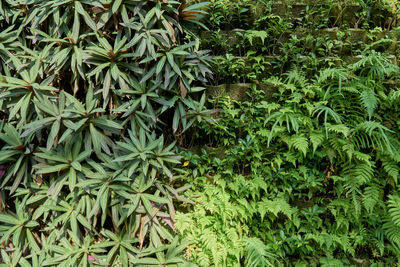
(307, 177)
(304, 170)
(100, 100)
(92, 95)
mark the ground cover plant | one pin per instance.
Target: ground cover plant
(308, 177)
(304, 171)
(113, 153)
(92, 97)
(278, 36)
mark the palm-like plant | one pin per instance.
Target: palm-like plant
(19, 92)
(88, 122)
(17, 153)
(75, 251)
(18, 228)
(147, 154)
(86, 158)
(67, 162)
(110, 59)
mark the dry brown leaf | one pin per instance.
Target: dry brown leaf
(173, 33)
(39, 179)
(182, 88)
(141, 237)
(97, 10)
(76, 86)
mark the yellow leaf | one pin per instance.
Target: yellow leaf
(186, 163)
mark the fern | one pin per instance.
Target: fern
(362, 156)
(203, 259)
(362, 173)
(391, 168)
(283, 116)
(375, 66)
(392, 222)
(299, 142)
(327, 112)
(394, 96)
(257, 253)
(252, 34)
(331, 262)
(371, 134)
(209, 241)
(322, 160)
(338, 128)
(368, 99)
(296, 77)
(394, 209)
(371, 197)
(275, 206)
(316, 139)
(392, 231)
(337, 74)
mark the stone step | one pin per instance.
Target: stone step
(238, 41)
(239, 91)
(316, 13)
(242, 69)
(338, 14)
(274, 58)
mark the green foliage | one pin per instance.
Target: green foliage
(257, 252)
(98, 97)
(307, 165)
(275, 36)
(308, 175)
(92, 97)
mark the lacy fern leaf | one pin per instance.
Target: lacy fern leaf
(368, 99)
(258, 254)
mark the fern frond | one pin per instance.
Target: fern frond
(392, 222)
(338, 74)
(209, 242)
(356, 203)
(371, 197)
(282, 116)
(257, 253)
(233, 237)
(361, 172)
(391, 168)
(331, 262)
(259, 185)
(392, 231)
(338, 128)
(203, 259)
(274, 207)
(368, 99)
(364, 172)
(343, 203)
(316, 139)
(362, 157)
(375, 66)
(394, 96)
(252, 34)
(296, 77)
(371, 134)
(394, 209)
(328, 112)
(299, 142)
(183, 222)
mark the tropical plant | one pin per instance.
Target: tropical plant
(87, 149)
(307, 176)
